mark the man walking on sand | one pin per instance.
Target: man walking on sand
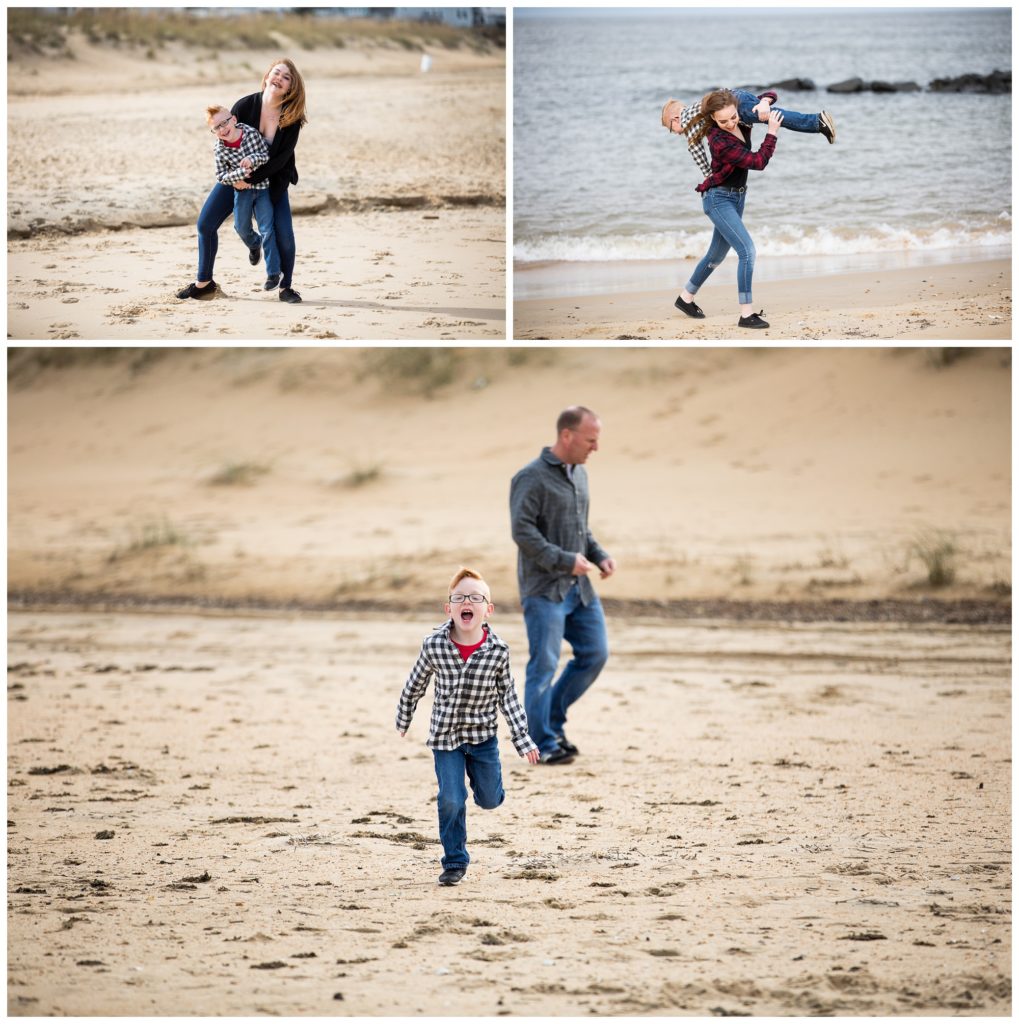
(549, 501)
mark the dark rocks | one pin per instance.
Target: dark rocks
(849, 85)
(794, 85)
(894, 87)
(996, 82)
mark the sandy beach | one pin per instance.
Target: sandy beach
(942, 302)
(399, 211)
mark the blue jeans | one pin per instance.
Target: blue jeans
(480, 763)
(257, 201)
(218, 207)
(792, 119)
(725, 209)
(548, 624)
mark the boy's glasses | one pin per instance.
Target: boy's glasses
(473, 598)
(217, 128)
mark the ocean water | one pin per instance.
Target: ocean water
(597, 178)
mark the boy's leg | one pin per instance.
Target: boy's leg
(792, 119)
(264, 219)
(452, 802)
(243, 201)
(485, 773)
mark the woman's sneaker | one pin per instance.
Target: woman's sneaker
(271, 282)
(753, 321)
(827, 126)
(690, 308)
(194, 292)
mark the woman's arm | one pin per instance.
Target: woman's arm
(287, 139)
(727, 151)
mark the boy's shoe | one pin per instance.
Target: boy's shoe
(565, 744)
(255, 254)
(289, 295)
(690, 308)
(753, 321)
(271, 282)
(827, 126)
(559, 756)
(452, 876)
(194, 292)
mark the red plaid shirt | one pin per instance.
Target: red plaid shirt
(729, 154)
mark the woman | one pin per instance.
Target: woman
(725, 193)
(278, 113)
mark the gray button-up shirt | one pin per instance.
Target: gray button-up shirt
(548, 513)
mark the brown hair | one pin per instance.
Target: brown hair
(212, 110)
(569, 419)
(292, 107)
(470, 574)
(711, 104)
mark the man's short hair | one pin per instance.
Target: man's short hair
(569, 419)
(469, 574)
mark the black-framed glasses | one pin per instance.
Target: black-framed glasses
(217, 128)
(473, 598)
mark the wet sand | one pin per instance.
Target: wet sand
(215, 815)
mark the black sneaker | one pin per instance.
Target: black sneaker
(753, 321)
(452, 876)
(271, 282)
(194, 292)
(566, 745)
(559, 756)
(255, 254)
(690, 308)
(289, 295)
(827, 126)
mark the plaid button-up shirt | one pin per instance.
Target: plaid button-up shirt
(228, 158)
(728, 154)
(699, 150)
(467, 693)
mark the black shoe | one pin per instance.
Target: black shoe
(559, 756)
(567, 746)
(255, 254)
(271, 282)
(194, 292)
(690, 308)
(827, 126)
(753, 321)
(452, 876)
(289, 295)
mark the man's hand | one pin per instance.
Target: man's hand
(608, 567)
(532, 756)
(581, 566)
(762, 110)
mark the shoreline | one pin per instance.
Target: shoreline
(946, 301)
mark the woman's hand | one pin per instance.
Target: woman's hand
(242, 184)
(774, 122)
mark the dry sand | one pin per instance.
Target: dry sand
(949, 302)
(215, 816)
(399, 211)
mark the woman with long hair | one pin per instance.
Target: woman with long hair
(724, 193)
(278, 111)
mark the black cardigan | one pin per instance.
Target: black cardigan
(281, 168)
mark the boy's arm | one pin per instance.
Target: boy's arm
(413, 691)
(514, 713)
(763, 106)
(226, 172)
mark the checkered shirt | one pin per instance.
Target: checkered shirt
(467, 693)
(699, 150)
(228, 161)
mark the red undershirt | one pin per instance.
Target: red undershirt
(234, 145)
(466, 650)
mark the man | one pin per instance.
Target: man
(549, 501)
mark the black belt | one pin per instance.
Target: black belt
(731, 188)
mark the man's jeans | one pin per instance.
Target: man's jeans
(792, 119)
(725, 209)
(480, 763)
(257, 199)
(548, 624)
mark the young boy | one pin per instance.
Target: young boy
(472, 680)
(239, 149)
(676, 116)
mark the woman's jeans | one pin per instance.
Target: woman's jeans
(256, 201)
(218, 207)
(548, 623)
(725, 209)
(791, 119)
(480, 763)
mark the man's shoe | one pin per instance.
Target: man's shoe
(754, 322)
(559, 756)
(255, 254)
(567, 746)
(827, 127)
(271, 282)
(690, 308)
(452, 876)
(289, 295)
(194, 292)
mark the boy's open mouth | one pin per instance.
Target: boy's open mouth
(467, 615)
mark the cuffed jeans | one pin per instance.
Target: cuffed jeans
(218, 207)
(548, 624)
(248, 201)
(725, 209)
(480, 763)
(791, 119)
